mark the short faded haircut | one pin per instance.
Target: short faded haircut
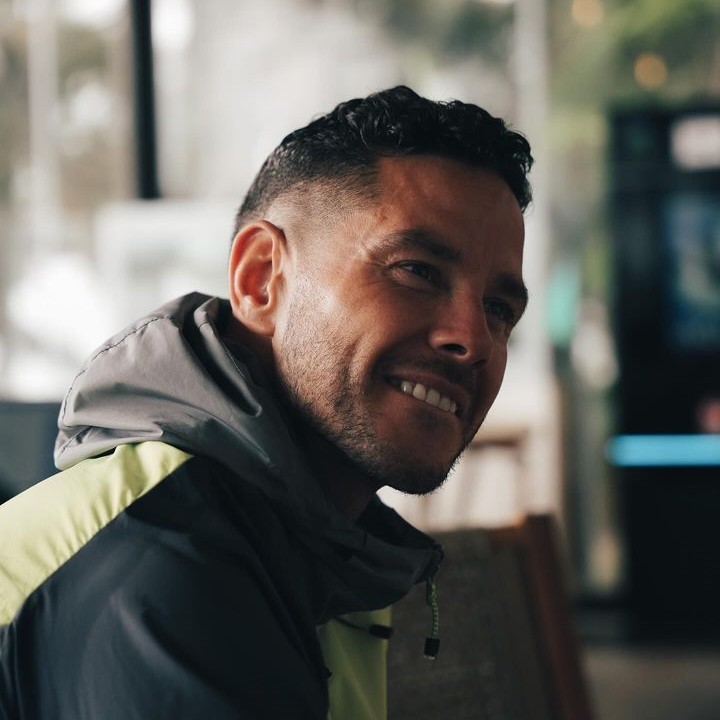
(337, 153)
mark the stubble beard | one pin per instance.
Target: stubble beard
(315, 381)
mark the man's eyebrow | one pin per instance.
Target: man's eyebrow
(418, 239)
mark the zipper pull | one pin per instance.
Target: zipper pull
(432, 642)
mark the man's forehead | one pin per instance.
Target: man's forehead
(427, 168)
(389, 177)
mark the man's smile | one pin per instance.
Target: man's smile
(425, 393)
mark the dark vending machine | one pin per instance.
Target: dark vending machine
(665, 200)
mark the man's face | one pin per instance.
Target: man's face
(392, 340)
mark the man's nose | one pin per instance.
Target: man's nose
(461, 332)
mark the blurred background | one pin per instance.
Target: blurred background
(130, 130)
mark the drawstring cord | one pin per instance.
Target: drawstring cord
(432, 643)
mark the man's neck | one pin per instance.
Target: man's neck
(347, 488)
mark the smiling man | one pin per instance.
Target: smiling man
(214, 546)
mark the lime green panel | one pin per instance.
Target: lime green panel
(358, 662)
(46, 525)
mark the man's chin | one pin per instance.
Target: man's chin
(418, 486)
(409, 472)
(413, 479)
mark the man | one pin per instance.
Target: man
(220, 458)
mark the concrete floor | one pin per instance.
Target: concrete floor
(630, 683)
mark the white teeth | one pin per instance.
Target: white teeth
(428, 395)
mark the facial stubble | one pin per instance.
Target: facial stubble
(316, 380)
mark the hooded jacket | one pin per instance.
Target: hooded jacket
(181, 562)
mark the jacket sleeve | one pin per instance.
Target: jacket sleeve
(133, 630)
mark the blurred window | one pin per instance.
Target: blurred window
(66, 133)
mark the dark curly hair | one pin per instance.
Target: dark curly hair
(342, 147)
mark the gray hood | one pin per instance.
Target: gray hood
(169, 377)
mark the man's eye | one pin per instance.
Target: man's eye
(423, 271)
(501, 310)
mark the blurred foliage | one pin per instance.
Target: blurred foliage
(594, 65)
(593, 70)
(450, 29)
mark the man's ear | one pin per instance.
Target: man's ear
(256, 276)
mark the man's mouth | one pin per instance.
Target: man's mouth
(425, 394)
